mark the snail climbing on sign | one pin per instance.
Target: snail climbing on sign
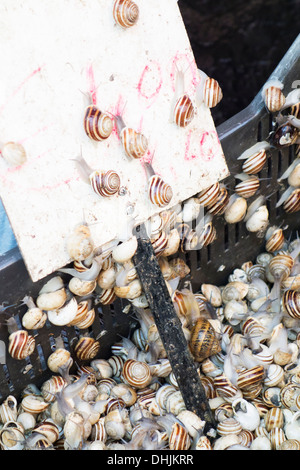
(126, 13)
(183, 110)
(159, 192)
(97, 125)
(134, 143)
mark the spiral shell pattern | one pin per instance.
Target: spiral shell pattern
(21, 344)
(86, 348)
(160, 193)
(136, 373)
(209, 195)
(275, 241)
(52, 386)
(179, 438)
(250, 376)
(134, 143)
(208, 235)
(248, 187)
(218, 207)
(274, 98)
(203, 341)
(291, 303)
(292, 203)
(184, 111)
(105, 184)
(212, 93)
(125, 13)
(280, 266)
(97, 125)
(255, 163)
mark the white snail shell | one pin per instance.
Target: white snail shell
(79, 243)
(65, 314)
(14, 153)
(125, 13)
(105, 183)
(235, 210)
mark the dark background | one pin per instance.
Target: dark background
(239, 43)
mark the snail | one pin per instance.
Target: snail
(274, 239)
(273, 96)
(134, 143)
(255, 163)
(125, 13)
(285, 135)
(13, 153)
(292, 174)
(209, 195)
(290, 200)
(208, 91)
(20, 344)
(159, 192)
(219, 205)
(236, 209)
(79, 243)
(204, 342)
(257, 216)
(183, 111)
(104, 183)
(98, 126)
(248, 186)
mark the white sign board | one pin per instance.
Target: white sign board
(52, 54)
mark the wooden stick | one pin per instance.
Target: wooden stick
(170, 330)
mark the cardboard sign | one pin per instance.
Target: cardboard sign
(54, 54)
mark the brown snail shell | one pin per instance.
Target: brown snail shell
(274, 98)
(284, 136)
(105, 183)
(86, 348)
(274, 239)
(247, 187)
(280, 266)
(212, 93)
(125, 13)
(97, 125)
(218, 207)
(209, 195)
(160, 193)
(255, 163)
(184, 111)
(292, 203)
(204, 342)
(250, 376)
(20, 344)
(179, 438)
(136, 373)
(291, 303)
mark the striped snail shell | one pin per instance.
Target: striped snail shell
(183, 111)
(14, 153)
(225, 388)
(274, 418)
(159, 243)
(218, 207)
(291, 303)
(136, 373)
(280, 266)
(209, 195)
(274, 239)
(20, 344)
(203, 342)
(229, 426)
(207, 236)
(160, 193)
(97, 125)
(292, 203)
(52, 386)
(134, 143)
(250, 376)
(248, 186)
(107, 296)
(105, 183)
(188, 238)
(273, 96)
(255, 163)
(208, 91)
(86, 348)
(125, 13)
(179, 438)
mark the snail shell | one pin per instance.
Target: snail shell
(248, 186)
(188, 238)
(136, 373)
(34, 319)
(204, 342)
(284, 136)
(236, 209)
(97, 125)
(34, 404)
(52, 295)
(291, 303)
(58, 359)
(250, 376)
(79, 243)
(184, 111)
(225, 388)
(274, 418)
(292, 203)
(20, 344)
(280, 266)
(273, 96)
(65, 314)
(229, 426)
(86, 348)
(125, 13)
(179, 438)
(289, 444)
(274, 239)
(105, 183)
(107, 296)
(218, 207)
(160, 193)
(212, 93)
(12, 436)
(207, 236)
(48, 429)
(209, 195)
(255, 163)
(135, 144)
(14, 153)
(52, 386)
(9, 409)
